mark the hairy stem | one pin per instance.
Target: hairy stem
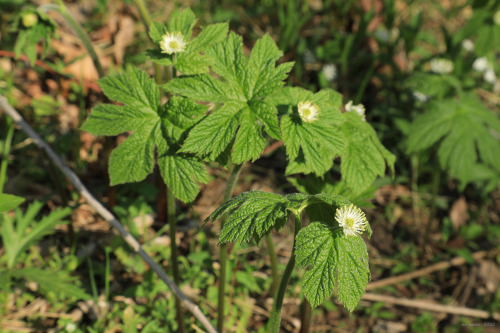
(6, 152)
(278, 300)
(274, 263)
(436, 177)
(173, 250)
(146, 19)
(231, 183)
(84, 37)
(305, 316)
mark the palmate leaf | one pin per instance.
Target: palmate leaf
(364, 157)
(192, 60)
(52, 282)
(334, 263)
(311, 147)
(44, 29)
(466, 134)
(244, 116)
(154, 127)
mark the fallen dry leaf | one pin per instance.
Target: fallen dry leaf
(458, 213)
(490, 273)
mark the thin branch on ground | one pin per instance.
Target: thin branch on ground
(106, 214)
(457, 261)
(428, 306)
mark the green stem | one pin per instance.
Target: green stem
(147, 21)
(435, 188)
(6, 152)
(174, 260)
(274, 263)
(231, 183)
(278, 301)
(84, 37)
(305, 316)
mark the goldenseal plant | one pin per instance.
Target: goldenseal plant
(331, 250)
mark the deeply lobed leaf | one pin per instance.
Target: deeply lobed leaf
(154, 127)
(243, 82)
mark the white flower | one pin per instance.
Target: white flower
(441, 66)
(359, 109)
(420, 96)
(351, 219)
(468, 45)
(308, 111)
(496, 17)
(310, 57)
(481, 64)
(330, 72)
(70, 327)
(172, 43)
(489, 76)
(385, 35)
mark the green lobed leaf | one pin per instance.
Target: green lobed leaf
(240, 88)
(365, 157)
(43, 29)
(214, 133)
(154, 127)
(182, 21)
(465, 133)
(252, 214)
(193, 59)
(249, 142)
(333, 262)
(9, 202)
(311, 147)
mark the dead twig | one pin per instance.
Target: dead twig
(457, 261)
(426, 305)
(106, 214)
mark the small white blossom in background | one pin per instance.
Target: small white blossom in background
(496, 17)
(70, 327)
(468, 45)
(489, 76)
(172, 43)
(351, 219)
(420, 96)
(308, 111)
(441, 66)
(481, 64)
(330, 72)
(385, 35)
(359, 109)
(309, 57)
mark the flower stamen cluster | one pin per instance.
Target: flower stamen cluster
(308, 111)
(172, 43)
(351, 219)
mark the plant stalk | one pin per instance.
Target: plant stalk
(435, 189)
(146, 19)
(274, 263)
(174, 260)
(6, 152)
(278, 300)
(231, 183)
(84, 37)
(305, 316)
